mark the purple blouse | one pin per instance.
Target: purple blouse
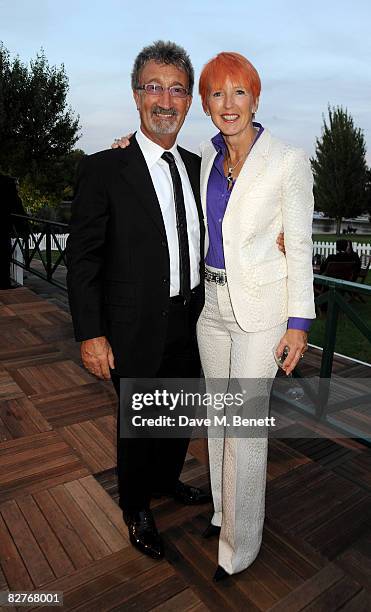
(217, 200)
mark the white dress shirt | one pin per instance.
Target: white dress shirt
(163, 184)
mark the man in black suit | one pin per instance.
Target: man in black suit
(135, 273)
(10, 202)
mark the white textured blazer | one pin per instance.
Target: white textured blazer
(273, 192)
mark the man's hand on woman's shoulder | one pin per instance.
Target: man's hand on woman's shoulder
(122, 142)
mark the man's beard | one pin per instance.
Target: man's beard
(161, 125)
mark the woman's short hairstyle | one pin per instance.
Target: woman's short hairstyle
(228, 65)
(163, 52)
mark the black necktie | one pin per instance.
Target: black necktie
(181, 223)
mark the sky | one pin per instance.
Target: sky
(308, 55)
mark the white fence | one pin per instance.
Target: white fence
(323, 248)
(328, 248)
(62, 239)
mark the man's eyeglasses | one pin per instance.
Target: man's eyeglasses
(154, 89)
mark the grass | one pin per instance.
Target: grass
(364, 239)
(55, 255)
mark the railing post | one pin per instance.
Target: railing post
(27, 250)
(48, 252)
(328, 352)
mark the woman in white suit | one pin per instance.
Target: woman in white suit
(253, 186)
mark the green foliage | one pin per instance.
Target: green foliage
(32, 198)
(339, 167)
(37, 128)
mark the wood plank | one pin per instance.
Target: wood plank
(147, 598)
(41, 379)
(126, 592)
(37, 566)
(3, 583)
(185, 601)
(360, 603)
(5, 434)
(34, 462)
(12, 564)
(310, 590)
(97, 517)
(19, 295)
(8, 386)
(334, 535)
(76, 404)
(21, 418)
(91, 445)
(105, 443)
(80, 443)
(45, 537)
(336, 597)
(296, 553)
(86, 531)
(126, 562)
(106, 504)
(64, 530)
(81, 589)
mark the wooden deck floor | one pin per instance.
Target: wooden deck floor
(61, 529)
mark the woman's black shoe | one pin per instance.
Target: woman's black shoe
(211, 531)
(220, 574)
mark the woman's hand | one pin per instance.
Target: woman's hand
(280, 242)
(296, 341)
(122, 142)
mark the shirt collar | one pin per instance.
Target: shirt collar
(152, 152)
(219, 143)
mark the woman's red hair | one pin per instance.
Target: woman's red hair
(228, 65)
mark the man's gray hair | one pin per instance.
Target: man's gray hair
(163, 53)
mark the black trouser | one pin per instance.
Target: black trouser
(5, 256)
(148, 465)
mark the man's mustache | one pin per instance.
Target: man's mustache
(158, 110)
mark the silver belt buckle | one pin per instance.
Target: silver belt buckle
(220, 278)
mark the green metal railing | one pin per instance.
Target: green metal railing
(38, 229)
(333, 295)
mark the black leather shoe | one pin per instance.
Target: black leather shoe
(211, 531)
(143, 533)
(190, 495)
(220, 574)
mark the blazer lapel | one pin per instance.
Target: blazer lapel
(136, 173)
(252, 169)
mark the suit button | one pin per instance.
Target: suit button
(163, 243)
(165, 280)
(164, 313)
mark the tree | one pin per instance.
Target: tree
(368, 194)
(37, 128)
(339, 167)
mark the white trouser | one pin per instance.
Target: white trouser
(237, 465)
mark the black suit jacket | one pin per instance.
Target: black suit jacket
(118, 259)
